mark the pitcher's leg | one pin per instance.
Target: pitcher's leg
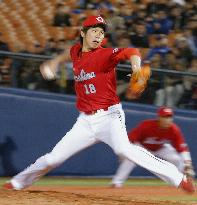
(73, 142)
(123, 172)
(163, 169)
(31, 173)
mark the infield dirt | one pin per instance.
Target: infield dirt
(80, 195)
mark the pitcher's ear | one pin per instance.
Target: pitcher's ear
(82, 33)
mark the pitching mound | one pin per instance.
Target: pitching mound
(91, 195)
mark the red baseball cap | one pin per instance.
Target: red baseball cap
(165, 112)
(94, 20)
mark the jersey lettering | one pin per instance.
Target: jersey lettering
(84, 76)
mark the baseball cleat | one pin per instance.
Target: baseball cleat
(187, 184)
(8, 185)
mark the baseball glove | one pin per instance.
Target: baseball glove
(138, 82)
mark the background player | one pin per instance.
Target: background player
(101, 116)
(161, 137)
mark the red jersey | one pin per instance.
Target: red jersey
(153, 137)
(95, 76)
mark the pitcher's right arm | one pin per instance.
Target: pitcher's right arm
(49, 68)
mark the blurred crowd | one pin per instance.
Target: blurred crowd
(165, 31)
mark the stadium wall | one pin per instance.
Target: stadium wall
(33, 122)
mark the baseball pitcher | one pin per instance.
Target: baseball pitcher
(101, 117)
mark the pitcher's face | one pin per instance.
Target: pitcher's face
(92, 39)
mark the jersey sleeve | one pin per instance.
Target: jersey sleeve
(125, 54)
(178, 140)
(115, 55)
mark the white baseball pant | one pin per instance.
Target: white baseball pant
(167, 152)
(108, 127)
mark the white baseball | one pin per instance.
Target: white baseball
(48, 73)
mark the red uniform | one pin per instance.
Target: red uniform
(95, 76)
(152, 137)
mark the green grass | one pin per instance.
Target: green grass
(58, 181)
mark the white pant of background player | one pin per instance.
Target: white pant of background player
(167, 153)
(108, 127)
